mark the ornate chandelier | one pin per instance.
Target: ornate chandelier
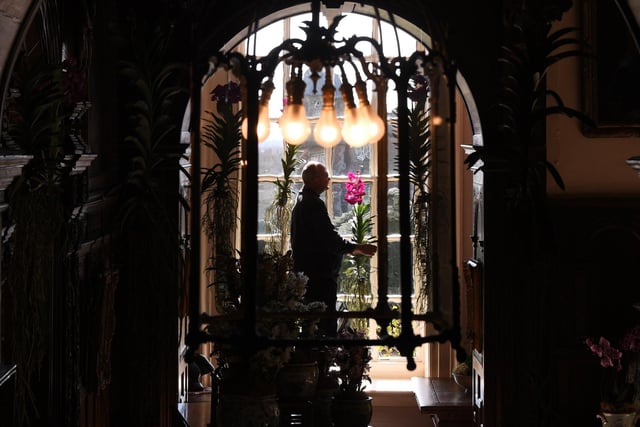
(359, 124)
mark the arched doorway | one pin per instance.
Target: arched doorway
(264, 34)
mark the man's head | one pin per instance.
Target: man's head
(315, 177)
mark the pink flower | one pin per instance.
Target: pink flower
(355, 188)
(609, 356)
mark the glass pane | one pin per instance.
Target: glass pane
(356, 24)
(266, 194)
(394, 268)
(276, 102)
(270, 153)
(297, 23)
(392, 150)
(392, 109)
(407, 42)
(393, 208)
(310, 151)
(313, 100)
(346, 158)
(267, 38)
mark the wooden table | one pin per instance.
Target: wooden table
(444, 401)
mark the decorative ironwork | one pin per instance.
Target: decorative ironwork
(320, 51)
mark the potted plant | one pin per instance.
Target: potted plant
(620, 380)
(352, 405)
(355, 282)
(248, 368)
(277, 216)
(222, 134)
(462, 374)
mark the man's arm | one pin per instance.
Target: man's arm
(364, 249)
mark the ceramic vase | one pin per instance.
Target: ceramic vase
(351, 412)
(297, 381)
(609, 419)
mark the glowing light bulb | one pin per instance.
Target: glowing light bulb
(294, 124)
(264, 124)
(374, 124)
(327, 131)
(354, 129)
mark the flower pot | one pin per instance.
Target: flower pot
(297, 381)
(463, 381)
(248, 411)
(327, 388)
(618, 419)
(351, 410)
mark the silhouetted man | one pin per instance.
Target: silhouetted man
(317, 247)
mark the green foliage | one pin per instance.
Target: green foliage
(393, 330)
(419, 147)
(36, 124)
(362, 223)
(156, 92)
(277, 216)
(153, 93)
(35, 118)
(524, 105)
(222, 134)
(419, 175)
(354, 362)
(356, 277)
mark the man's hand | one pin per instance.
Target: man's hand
(364, 249)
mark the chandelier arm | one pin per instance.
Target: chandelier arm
(386, 66)
(215, 62)
(275, 56)
(355, 69)
(371, 75)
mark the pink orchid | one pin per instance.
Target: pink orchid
(609, 356)
(355, 188)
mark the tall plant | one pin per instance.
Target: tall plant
(419, 175)
(419, 142)
(35, 116)
(356, 280)
(277, 216)
(220, 182)
(153, 83)
(524, 104)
